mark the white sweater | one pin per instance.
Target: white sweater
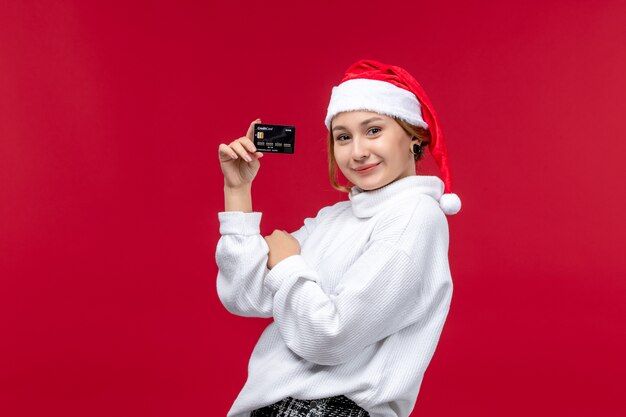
(358, 312)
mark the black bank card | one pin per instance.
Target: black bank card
(274, 138)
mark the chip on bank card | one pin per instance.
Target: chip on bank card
(274, 138)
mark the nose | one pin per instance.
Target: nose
(359, 149)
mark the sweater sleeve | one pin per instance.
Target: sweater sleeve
(241, 258)
(383, 291)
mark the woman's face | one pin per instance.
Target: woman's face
(371, 149)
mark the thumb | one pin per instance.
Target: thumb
(250, 131)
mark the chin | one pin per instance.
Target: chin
(369, 185)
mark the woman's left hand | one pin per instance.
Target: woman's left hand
(282, 245)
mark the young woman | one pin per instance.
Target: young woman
(360, 293)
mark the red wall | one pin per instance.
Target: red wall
(110, 120)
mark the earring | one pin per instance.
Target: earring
(418, 150)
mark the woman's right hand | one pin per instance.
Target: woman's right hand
(239, 160)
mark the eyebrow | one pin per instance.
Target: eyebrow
(364, 122)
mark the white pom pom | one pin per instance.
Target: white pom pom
(450, 203)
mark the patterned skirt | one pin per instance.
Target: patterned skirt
(337, 406)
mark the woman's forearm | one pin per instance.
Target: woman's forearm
(238, 199)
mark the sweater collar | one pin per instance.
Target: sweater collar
(368, 203)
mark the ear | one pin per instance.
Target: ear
(415, 140)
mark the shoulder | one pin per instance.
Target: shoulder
(406, 225)
(330, 210)
(326, 213)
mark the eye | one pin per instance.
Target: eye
(338, 138)
(375, 128)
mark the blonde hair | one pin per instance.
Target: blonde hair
(414, 131)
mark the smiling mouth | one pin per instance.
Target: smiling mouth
(366, 169)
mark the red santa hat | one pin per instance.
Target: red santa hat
(388, 89)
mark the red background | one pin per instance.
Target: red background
(110, 119)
